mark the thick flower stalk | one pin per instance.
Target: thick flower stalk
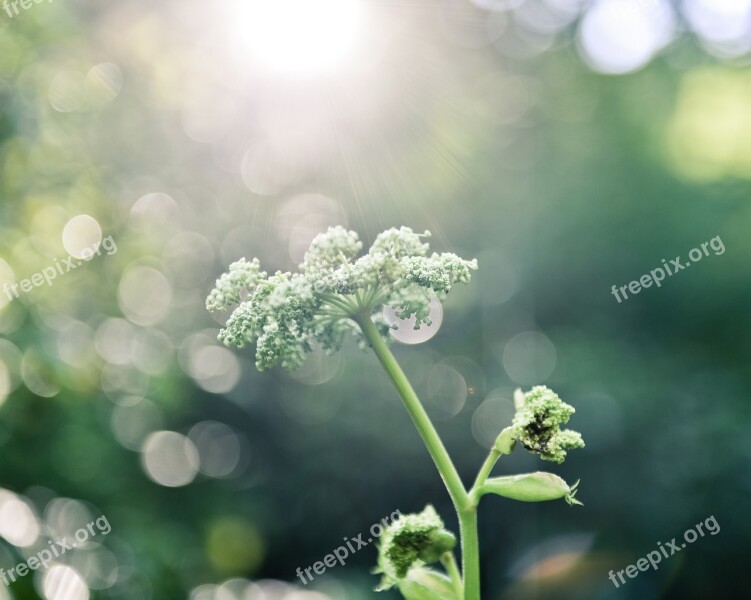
(338, 292)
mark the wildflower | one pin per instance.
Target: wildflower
(288, 315)
(338, 292)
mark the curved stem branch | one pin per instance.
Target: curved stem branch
(415, 409)
(465, 508)
(449, 563)
(482, 475)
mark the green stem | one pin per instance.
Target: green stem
(470, 553)
(482, 475)
(465, 509)
(415, 409)
(341, 303)
(449, 563)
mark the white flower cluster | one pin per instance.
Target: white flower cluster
(288, 314)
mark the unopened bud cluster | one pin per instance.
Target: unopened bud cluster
(412, 541)
(537, 425)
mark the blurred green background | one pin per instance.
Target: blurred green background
(570, 146)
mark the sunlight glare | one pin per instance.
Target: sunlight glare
(299, 37)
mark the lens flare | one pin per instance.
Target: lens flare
(298, 37)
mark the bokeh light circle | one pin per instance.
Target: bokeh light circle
(62, 582)
(494, 413)
(218, 448)
(134, 420)
(82, 236)
(318, 367)
(446, 391)
(406, 332)
(621, 36)
(5, 382)
(67, 91)
(529, 358)
(170, 459)
(105, 81)
(18, 523)
(144, 295)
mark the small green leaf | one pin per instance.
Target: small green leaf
(427, 584)
(531, 487)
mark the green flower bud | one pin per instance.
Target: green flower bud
(531, 487)
(411, 541)
(506, 441)
(537, 423)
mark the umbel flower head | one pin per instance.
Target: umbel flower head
(537, 424)
(290, 314)
(412, 540)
